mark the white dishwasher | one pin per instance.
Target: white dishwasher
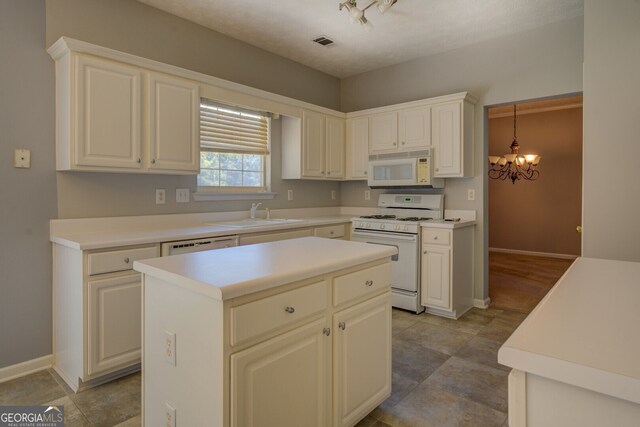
(198, 245)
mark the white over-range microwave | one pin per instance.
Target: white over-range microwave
(398, 170)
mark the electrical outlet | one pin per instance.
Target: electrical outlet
(170, 415)
(367, 194)
(22, 158)
(170, 348)
(289, 194)
(471, 194)
(333, 194)
(160, 196)
(182, 195)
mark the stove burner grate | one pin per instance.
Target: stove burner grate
(378, 217)
(413, 219)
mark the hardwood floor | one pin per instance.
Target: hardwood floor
(519, 282)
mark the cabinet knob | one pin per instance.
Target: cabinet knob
(424, 252)
(437, 169)
(394, 144)
(329, 173)
(326, 331)
(139, 160)
(126, 260)
(369, 283)
(435, 237)
(402, 142)
(365, 172)
(153, 161)
(289, 309)
(342, 325)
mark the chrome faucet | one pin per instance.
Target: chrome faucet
(254, 207)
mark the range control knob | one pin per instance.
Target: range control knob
(406, 228)
(398, 227)
(381, 226)
(368, 225)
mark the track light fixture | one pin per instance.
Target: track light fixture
(356, 15)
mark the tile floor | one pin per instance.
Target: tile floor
(445, 372)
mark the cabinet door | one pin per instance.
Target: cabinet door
(383, 133)
(114, 326)
(362, 359)
(335, 148)
(436, 277)
(283, 381)
(414, 129)
(446, 122)
(174, 141)
(357, 147)
(313, 144)
(108, 119)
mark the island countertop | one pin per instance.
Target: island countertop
(232, 272)
(585, 331)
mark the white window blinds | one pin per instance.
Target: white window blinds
(232, 130)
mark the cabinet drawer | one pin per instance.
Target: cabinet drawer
(107, 262)
(356, 284)
(269, 314)
(330, 232)
(436, 237)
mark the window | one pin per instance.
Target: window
(234, 148)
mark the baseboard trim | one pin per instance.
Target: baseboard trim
(533, 253)
(482, 303)
(21, 369)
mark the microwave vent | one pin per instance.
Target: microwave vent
(401, 155)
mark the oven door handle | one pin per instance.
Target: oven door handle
(388, 236)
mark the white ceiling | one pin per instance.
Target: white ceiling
(410, 29)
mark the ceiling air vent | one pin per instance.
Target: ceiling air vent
(323, 40)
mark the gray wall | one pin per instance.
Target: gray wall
(611, 204)
(83, 194)
(28, 195)
(535, 64)
(133, 27)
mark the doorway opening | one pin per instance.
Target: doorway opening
(534, 225)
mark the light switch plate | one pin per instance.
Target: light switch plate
(22, 158)
(182, 195)
(170, 415)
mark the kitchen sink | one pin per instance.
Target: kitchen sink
(255, 222)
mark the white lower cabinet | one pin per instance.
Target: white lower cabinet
(362, 359)
(292, 356)
(97, 313)
(283, 381)
(447, 270)
(113, 322)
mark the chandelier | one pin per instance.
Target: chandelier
(356, 15)
(513, 166)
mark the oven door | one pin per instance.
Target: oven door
(404, 265)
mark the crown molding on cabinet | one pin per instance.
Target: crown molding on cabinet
(65, 45)
(466, 96)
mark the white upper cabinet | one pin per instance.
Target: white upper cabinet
(107, 123)
(357, 148)
(414, 129)
(173, 123)
(452, 139)
(403, 130)
(313, 144)
(313, 147)
(108, 130)
(383, 133)
(335, 150)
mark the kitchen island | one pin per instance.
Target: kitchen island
(576, 357)
(288, 333)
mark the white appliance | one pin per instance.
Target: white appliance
(399, 170)
(198, 245)
(398, 225)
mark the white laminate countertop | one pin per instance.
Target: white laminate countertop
(585, 331)
(137, 234)
(232, 272)
(441, 223)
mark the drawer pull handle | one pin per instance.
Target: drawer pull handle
(326, 331)
(289, 309)
(435, 237)
(424, 252)
(342, 325)
(126, 260)
(369, 283)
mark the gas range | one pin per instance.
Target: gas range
(401, 213)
